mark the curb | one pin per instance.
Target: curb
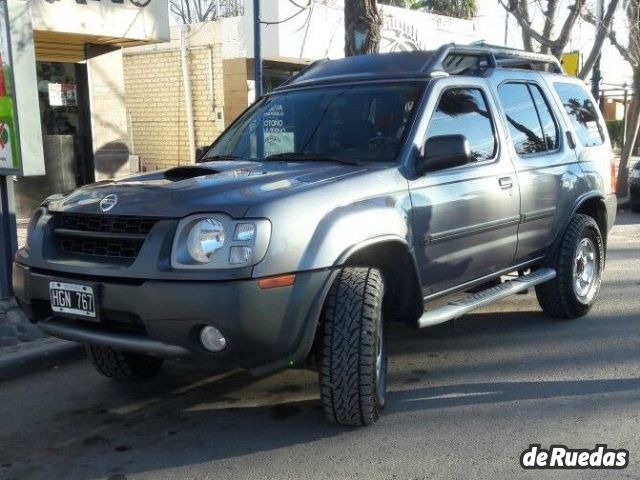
(39, 355)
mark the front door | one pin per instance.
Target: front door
(465, 218)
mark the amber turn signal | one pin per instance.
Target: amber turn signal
(279, 281)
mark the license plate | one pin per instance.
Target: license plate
(73, 299)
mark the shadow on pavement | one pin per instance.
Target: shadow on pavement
(187, 417)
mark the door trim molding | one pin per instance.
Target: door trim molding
(538, 214)
(461, 232)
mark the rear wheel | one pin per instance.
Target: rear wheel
(121, 365)
(353, 364)
(579, 264)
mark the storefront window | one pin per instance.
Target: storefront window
(58, 98)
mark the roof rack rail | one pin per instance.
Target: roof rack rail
(451, 56)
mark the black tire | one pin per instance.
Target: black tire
(635, 208)
(353, 363)
(559, 298)
(120, 365)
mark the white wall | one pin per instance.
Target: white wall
(108, 116)
(145, 21)
(26, 83)
(318, 32)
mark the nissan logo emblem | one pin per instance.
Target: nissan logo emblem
(108, 202)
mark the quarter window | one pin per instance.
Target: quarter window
(531, 124)
(464, 111)
(582, 112)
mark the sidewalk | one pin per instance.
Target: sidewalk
(24, 348)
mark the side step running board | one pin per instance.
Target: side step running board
(460, 307)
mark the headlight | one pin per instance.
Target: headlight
(216, 241)
(205, 239)
(635, 173)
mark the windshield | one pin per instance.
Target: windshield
(355, 123)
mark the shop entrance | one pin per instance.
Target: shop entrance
(66, 134)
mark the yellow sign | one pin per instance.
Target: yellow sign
(571, 63)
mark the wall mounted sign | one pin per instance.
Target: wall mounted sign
(10, 163)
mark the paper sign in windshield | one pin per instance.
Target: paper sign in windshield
(278, 142)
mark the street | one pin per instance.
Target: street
(466, 399)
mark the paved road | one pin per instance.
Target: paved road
(466, 399)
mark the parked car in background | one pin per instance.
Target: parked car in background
(634, 187)
(350, 197)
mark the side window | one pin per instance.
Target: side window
(522, 118)
(464, 111)
(582, 112)
(549, 125)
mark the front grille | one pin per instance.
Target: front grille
(104, 224)
(102, 247)
(102, 236)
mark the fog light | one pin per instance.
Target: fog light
(212, 339)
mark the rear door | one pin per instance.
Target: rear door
(465, 218)
(545, 162)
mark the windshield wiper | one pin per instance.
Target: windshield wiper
(311, 157)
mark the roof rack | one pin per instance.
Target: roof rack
(454, 59)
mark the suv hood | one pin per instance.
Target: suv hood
(230, 187)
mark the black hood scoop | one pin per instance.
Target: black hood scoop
(184, 173)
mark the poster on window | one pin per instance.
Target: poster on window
(277, 139)
(62, 95)
(9, 145)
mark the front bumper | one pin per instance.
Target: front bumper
(269, 328)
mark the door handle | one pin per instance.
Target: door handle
(506, 183)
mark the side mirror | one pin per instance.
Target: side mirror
(200, 151)
(444, 151)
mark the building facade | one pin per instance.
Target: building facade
(68, 76)
(220, 68)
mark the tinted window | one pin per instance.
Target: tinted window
(582, 112)
(522, 118)
(464, 111)
(364, 122)
(549, 126)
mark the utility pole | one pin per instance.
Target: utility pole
(506, 28)
(597, 74)
(10, 163)
(8, 239)
(257, 48)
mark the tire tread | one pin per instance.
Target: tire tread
(347, 367)
(556, 297)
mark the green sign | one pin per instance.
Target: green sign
(10, 163)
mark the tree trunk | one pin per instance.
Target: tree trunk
(362, 25)
(633, 122)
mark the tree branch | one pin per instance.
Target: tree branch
(602, 30)
(549, 20)
(567, 27)
(613, 38)
(525, 24)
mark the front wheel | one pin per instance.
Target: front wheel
(121, 365)
(353, 364)
(579, 264)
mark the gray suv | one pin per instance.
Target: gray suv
(352, 196)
